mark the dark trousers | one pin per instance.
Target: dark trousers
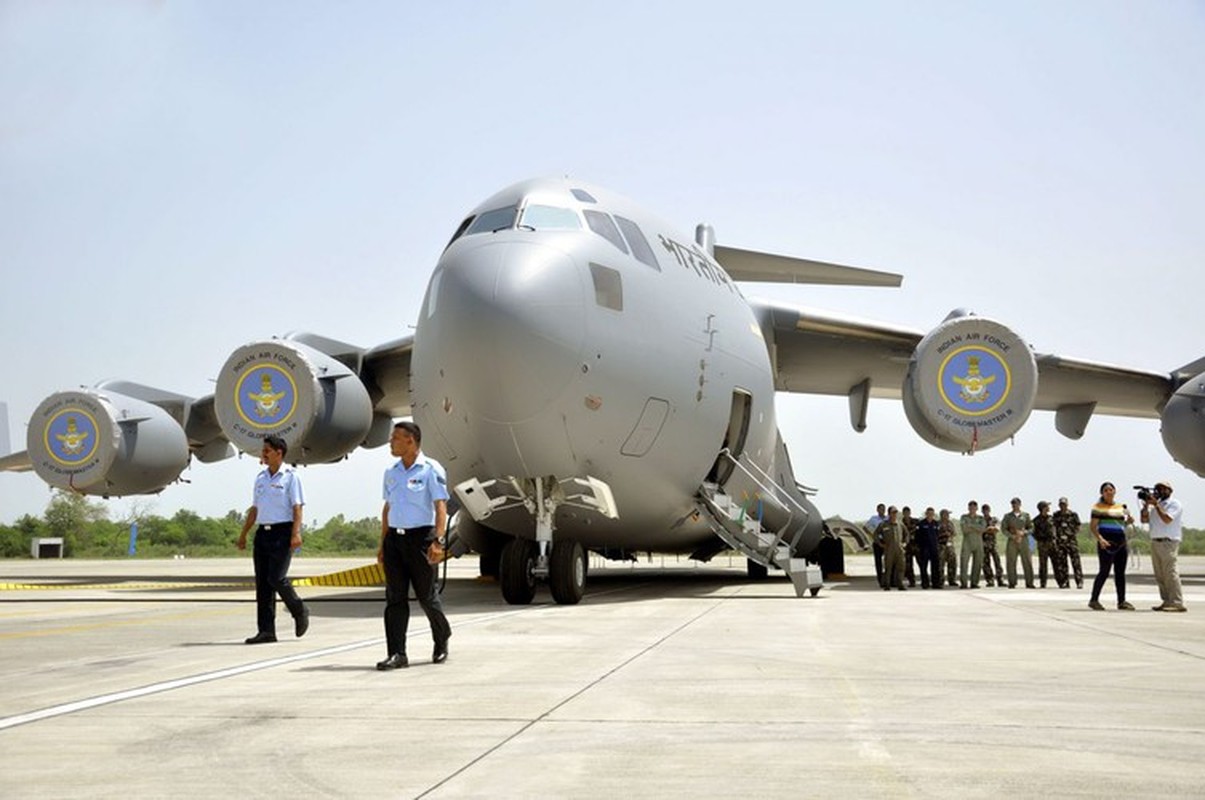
(878, 563)
(930, 567)
(1112, 557)
(272, 555)
(406, 563)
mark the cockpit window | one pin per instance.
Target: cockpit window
(496, 220)
(583, 195)
(602, 224)
(460, 229)
(640, 245)
(550, 218)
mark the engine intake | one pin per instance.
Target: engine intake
(971, 384)
(105, 443)
(314, 402)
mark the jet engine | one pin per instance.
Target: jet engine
(971, 384)
(105, 443)
(1183, 427)
(312, 400)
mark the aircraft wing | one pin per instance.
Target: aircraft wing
(819, 352)
(750, 265)
(386, 373)
(16, 462)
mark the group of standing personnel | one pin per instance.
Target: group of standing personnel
(906, 547)
(413, 525)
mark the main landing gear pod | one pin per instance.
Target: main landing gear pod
(970, 385)
(104, 443)
(314, 402)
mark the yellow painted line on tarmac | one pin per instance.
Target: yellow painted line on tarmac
(370, 575)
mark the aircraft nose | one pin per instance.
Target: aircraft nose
(509, 319)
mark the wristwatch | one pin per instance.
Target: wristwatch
(439, 539)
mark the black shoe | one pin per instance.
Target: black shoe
(261, 638)
(1095, 605)
(440, 655)
(395, 661)
(301, 622)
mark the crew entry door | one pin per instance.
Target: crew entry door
(734, 436)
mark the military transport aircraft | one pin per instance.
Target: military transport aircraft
(594, 380)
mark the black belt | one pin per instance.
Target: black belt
(271, 526)
(424, 529)
(1163, 539)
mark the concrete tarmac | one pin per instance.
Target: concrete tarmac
(669, 680)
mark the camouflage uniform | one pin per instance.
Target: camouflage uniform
(1043, 534)
(890, 536)
(991, 554)
(911, 554)
(946, 557)
(1066, 537)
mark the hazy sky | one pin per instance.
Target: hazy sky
(180, 178)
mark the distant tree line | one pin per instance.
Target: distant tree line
(88, 532)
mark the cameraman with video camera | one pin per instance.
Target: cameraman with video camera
(1166, 534)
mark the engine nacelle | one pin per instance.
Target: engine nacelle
(971, 384)
(314, 402)
(1183, 425)
(105, 443)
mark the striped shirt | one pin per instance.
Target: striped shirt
(1110, 520)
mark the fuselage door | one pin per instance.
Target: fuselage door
(734, 436)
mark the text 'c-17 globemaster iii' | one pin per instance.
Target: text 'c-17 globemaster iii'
(593, 380)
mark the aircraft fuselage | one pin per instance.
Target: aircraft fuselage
(588, 359)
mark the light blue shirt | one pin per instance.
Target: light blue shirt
(275, 496)
(411, 493)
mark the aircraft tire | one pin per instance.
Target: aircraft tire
(755, 571)
(567, 572)
(490, 556)
(517, 571)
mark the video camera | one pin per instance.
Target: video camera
(1146, 493)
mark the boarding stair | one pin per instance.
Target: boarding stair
(739, 525)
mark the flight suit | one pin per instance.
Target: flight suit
(925, 542)
(1017, 526)
(890, 535)
(972, 549)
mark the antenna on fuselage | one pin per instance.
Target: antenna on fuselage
(705, 237)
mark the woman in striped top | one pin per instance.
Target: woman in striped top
(1109, 521)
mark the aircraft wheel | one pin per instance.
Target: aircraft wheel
(517, 571)
(490, 556)
(755, 571)
(567, 572)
